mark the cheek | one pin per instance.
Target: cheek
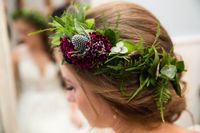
(81, 98)
(86, 105)
(71, 96)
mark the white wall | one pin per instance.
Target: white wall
(180, 17)
(189, 48)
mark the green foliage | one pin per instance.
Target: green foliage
(153, 66)
(162, 96)
(112, 36)
(169, 71)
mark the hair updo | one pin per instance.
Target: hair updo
(133, 22)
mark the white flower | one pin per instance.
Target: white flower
(119, 48)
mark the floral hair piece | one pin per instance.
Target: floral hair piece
(103, 52)
(31, 15)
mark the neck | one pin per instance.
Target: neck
(119, 125)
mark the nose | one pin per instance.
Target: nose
(70, 96)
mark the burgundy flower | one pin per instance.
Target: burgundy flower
(96, 50)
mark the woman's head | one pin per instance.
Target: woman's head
(100, 93)
(28, 21)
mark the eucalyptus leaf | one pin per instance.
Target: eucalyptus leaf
(129, 45)
(169, 71)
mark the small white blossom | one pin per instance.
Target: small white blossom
(119, 48)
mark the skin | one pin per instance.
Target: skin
(33, 43)
(99, 114)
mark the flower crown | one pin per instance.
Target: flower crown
(32, 16)
(102, 51)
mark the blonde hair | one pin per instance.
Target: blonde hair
(133, 22)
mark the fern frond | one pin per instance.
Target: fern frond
(162, 96)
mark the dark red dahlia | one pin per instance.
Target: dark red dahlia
(66, 48)
(96, 51)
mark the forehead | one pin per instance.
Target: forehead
(21, 23)
(66, 70)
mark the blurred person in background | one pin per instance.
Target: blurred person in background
(42, 107)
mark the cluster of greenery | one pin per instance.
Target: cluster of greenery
(153, 65)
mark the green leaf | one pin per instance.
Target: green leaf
(165, 58)
(155, 61)
(112, 58)
(40, 31)
(116, 68)
(79, 28)
(140, 45)
(59, 20)
(100, 31)
(110, 34)
(180, 66)
(169, 71)
(55, 42)
(176, 86)
(162, 96)
(143, 82)
(129, 45)
(90, 23)
(81, 13)
(55, 39)
(158, 32)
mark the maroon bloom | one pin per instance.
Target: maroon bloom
(96, 50)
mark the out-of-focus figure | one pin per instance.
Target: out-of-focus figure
(42, 105)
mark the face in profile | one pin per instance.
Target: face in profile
(92, 106)
(23, 28)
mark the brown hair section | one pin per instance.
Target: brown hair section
(133, 22)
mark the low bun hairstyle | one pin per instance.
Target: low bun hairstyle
(134, 22)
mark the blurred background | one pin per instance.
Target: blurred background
(181, 18)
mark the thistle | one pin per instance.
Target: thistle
(80, 42)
